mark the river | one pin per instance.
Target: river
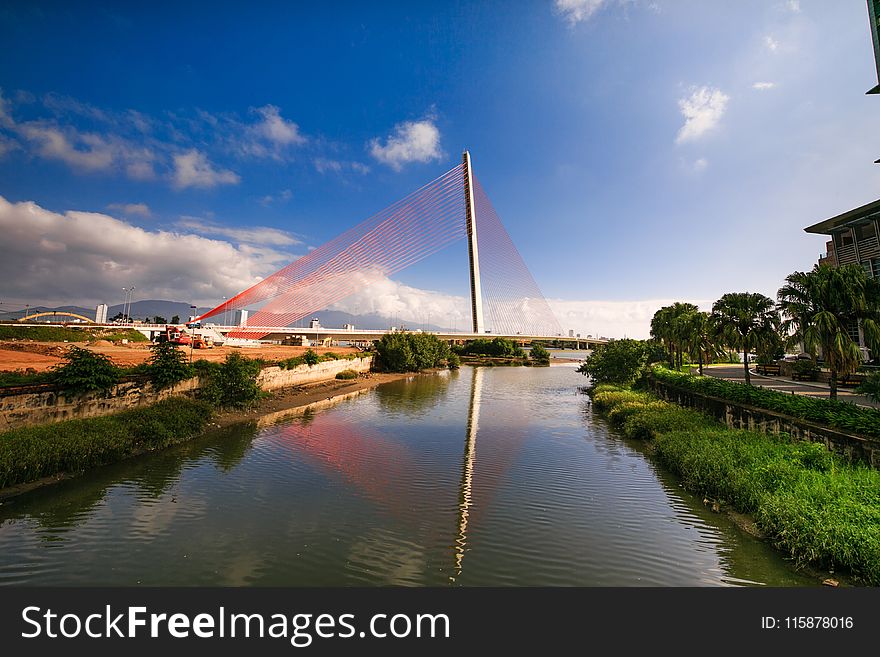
(484, 476)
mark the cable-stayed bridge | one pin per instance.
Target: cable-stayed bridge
(505, 299)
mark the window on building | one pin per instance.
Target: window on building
(846, 238)
(865, 231)
(853, 330)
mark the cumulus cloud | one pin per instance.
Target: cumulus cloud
(276, 129)
(771, 43)
(702, 111)
(612, 319)
(270, 137)
(84, 257)
(248, 235)
(575, 11)
(763, 86)
(130, 209)
(794, 5)
(192, 169)
(411, 141)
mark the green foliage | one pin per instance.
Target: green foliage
(840, 415)
(310, 357)
(132, 335)
(810, 503)
(71, 447)
(233, 383)
(68, 334)
(453, 361)
(168, 365)
(496, 347)
(804, 367)
(539, 354)
(746, 321)
(85, 371)
(871, 387)
(410, 352)
(24, 378)
(175, 319)
(347, 374)
(617, 361)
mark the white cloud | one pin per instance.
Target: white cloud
(412, 141)
(763, 86)
(701, 164)
(794, 5)
(192, 169)
(702, 111)
(323, 165)
(250, 235)
(82, 152)
(129, 209)
(83, 257)
(276, 129)
(771, 43)
(7, 145)
(575, 11)
(612, 319)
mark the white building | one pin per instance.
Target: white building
(101, 314)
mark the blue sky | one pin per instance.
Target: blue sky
(638, 152)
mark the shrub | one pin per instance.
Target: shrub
(453, 361)
(539, 354)
(497, 347)
(347, 374)
(234, 383)
(870, 387)
(85, 371)
(410, 352)
(804, 367)
(311, 357)
(617, 361)
(168, 365)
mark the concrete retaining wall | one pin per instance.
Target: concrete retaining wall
(24, 406)
(273, 378)
(738, 416)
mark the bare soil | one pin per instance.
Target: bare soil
(22, 355)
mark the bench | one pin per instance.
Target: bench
(849, 381)
(768, 370)
(803, 376)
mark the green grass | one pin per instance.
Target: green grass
(74, 446)
(61, 333)
(811, 504)
(839, 415)
(347, 374)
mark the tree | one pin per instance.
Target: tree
(118, 317)
(745, 321)
(410, 352)
(616, 361)
(823, 305)
(539, 354)
(699, 337)
(168, 364)
(175, 319)
(158, 319)
(666, 327)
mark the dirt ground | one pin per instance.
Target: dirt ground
(41, 356)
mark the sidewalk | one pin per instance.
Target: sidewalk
(785, 384)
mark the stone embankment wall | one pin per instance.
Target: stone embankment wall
(740, 416)
(24, 406)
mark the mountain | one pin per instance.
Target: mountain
(148, 309)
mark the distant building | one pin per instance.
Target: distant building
(314, 324)
(571, 333)
(101, 314)
(348, 327)
(240, 318)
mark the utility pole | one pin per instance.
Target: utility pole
(473, 252)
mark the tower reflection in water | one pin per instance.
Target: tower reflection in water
(467, 471)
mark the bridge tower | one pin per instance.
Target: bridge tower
(473, 253)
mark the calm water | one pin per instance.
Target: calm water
(497, 476)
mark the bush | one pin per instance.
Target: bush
(870, 387)
(347, 374)
(539, 354)
(840, 415)
(497, 348)
(234, 383)
(85, 371)
(311, 357)
(617, 361)
(410, 352)
(168, 365)
(803, 367)
(453, 361)
(70, 447)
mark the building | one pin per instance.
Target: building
(101, 314)
(855, 238)
(315, 324)
(240, 318)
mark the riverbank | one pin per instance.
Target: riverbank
(33, 457)
(813, 505)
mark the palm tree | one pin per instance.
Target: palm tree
(700, 337)
(666, 327)
(745, 321)
(821, 306)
